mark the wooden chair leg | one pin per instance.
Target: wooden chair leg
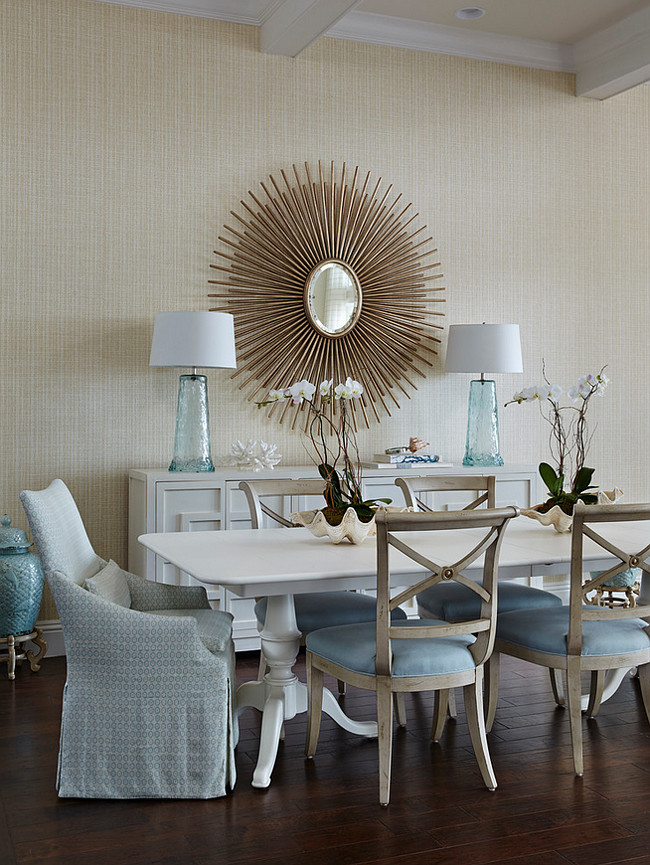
(492, 689)
(476, 722)
(644, 681)
(595, 692)
(314, 706)
(400, 708)
(341, 685)
(440, 706)
(451, 703)
(384, 736)
(574, 705)
(557, 686)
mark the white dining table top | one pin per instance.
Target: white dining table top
(255, 562)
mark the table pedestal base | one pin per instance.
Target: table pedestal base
(280, 695)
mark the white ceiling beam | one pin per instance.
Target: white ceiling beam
(295, 24)
(615, 59)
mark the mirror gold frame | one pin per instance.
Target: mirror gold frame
(283, 237)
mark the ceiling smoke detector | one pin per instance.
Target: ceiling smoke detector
(469, 13)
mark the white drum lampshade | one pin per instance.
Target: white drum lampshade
(194, 340)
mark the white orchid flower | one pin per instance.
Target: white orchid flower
(574, 393)
(325, 387)
(534, 392)
(275, 395)
(554, 392)
(301, 390)
(350, 390)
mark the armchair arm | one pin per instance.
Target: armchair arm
(147, 595)
(107, 642)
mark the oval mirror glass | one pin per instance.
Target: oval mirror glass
(333, 297)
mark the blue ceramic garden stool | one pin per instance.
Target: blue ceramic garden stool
(21, 590)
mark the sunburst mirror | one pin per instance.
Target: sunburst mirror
(328, 277)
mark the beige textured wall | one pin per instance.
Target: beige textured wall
(128, 136)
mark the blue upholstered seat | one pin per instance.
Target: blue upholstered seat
(326, 609)
(546, 631)
(457, 603)
(354, 647)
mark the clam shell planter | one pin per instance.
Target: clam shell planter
(350, 528)
(562, 522)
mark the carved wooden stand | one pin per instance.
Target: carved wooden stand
(36, 637)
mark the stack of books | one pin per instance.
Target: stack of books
(404, 460)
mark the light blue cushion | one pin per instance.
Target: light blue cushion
(354, 648)
(546, 631)
(456, 603)
(110, 583)
(620, 581)
(215, 627)
(326, 609)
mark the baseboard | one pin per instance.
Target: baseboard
(53, 636)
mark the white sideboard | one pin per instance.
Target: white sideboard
(163, 501)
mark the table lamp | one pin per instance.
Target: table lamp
(193, 339)
(483, 348)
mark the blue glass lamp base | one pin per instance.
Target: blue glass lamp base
(192, 439)
(482, 445)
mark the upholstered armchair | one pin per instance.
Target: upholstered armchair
(147, 705)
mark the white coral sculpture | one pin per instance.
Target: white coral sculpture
(253, 455)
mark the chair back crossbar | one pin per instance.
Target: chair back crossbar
(255, 491)
(494, 521)
(469, 483)
(583, 519)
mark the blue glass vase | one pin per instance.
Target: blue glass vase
(482, 445)
(192, 438)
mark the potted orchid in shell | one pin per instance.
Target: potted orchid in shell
(569, 479)
(346, 514)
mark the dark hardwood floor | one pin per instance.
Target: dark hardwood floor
(325, 811)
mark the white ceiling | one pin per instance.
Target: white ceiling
(605, 42)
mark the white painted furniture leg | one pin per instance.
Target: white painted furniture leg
(280, 695)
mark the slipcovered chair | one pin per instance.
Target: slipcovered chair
(419, 654)
(580, 637)
(147, 705)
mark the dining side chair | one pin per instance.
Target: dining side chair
(147, 704)
(578, 637)
(418, 654)
(316, 609)
(454, 602)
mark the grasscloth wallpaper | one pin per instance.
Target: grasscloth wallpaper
(128, 137)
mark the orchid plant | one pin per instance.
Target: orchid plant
(334, 442)
(569, 438)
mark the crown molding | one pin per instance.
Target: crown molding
(199, 11)
(458, 41)
(615, 59)
(295, 24)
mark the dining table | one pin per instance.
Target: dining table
(282, 562)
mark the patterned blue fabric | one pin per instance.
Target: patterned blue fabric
(146, 707)
(326, 609)
(456, 603)
(110, 583)
(59, 533)
(621, 581)
(547, 630)
(215, 628)
(354, 647)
